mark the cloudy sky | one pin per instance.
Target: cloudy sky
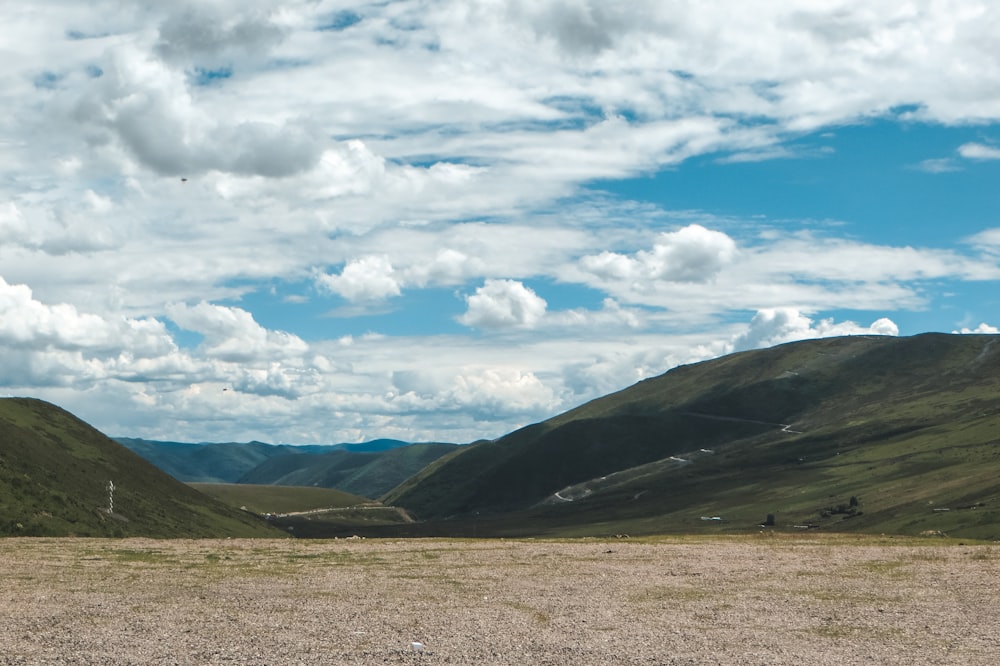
(323, 221)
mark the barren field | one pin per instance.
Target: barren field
(765, 599)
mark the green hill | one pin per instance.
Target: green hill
(308, 511)
(279, 499)
(366, 473)
(54, 476)
(860, 433)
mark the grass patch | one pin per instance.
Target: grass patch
(885, 568)
(538, 617)
(664, 593)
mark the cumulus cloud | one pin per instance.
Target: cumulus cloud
(983, 328)
(27, 323)
(612, 372)
(366, 279)
(232, 334)
(503, 304)
(581, 26)
(147, 109)
(690, 254)
(45, 345)
(493, 393)
(451, 143)
(485, 394)
(779, 325)
(204, 35)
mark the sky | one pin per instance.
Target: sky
(322, 221)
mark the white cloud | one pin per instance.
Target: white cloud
(611, 315)
(978, 151)
(148, 110)
(779, 325)
(581, 27)
(13, 227)
(690, 254)
(445, 144)
(940, 165)
(982, 328)
(479, 393)
(369, 278)
(809, 272)
(987, 242)
(496, 392)
(503, 304)
(26, 323)
(208, 37)
(231, 334)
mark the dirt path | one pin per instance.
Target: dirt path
(755, 600)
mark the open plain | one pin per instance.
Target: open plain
(760, 599)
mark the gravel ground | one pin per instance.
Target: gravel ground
(748, 600)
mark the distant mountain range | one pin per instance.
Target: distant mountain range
(369, 469)
(866, 433)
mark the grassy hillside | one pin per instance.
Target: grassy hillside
(54, 475)
(908, 427)
(309, 512)
(278, 499)
(366, 473)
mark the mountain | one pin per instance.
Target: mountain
(368, 473)
(368, 469)
(229, 462)
(215, 462)
(859, 433)
(55, 472)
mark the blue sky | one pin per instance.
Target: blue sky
(326, 221)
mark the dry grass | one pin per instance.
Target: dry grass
(757, 600)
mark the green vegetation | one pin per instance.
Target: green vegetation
(343, 522)
(308, 512)
(278, 499)
(866, 434)
(365, 473)
(54, 475)
(873, 434)
(368, 469)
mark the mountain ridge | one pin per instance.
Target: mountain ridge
(822, 420)
(365, 468)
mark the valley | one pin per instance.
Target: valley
(864, 434)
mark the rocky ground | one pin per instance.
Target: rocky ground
(749, 600)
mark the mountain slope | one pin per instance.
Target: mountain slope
(906, 424)
(54, 476)
(368, 473)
